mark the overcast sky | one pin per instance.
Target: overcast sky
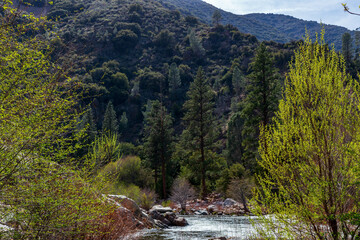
(325, 11)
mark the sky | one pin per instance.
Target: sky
(325, 11)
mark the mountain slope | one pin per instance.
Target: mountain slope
(275, 27)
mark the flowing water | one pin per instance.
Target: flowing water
(204, 228)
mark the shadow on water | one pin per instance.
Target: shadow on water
(204, 228)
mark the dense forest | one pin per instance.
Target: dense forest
(130, 98)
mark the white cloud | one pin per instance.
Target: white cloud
(327, 11)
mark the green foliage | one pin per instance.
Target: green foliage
(123, 123)
(195, 45)
(135, 27)
(125, 39)
(136, 8)
(158, 140)
(46, 199)
(165, 39)
(39, 111)
(127, 170)
(105, 149)
(198, 118)
(174, 78)
(127, 149)
(216, 17)
(88, 124)
(191, 20)
(347, 49)
(234, 172)
(150, 80)
(310, 152)
(115, 82)
(234, 140)
(260, 103)
(36, 101)
(238, 82)
(110, 124)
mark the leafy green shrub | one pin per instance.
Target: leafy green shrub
(234, 172)
(150, 80)
(147, 199)
(105, 150)
(136, 8)
(125, 39)
(127, 170)
(135, 27)
(47, 200)
(127, 149)
(165, 39)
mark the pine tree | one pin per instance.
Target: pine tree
(311, 151)
(260, 103)
(347, 47)
(88, 123)
(195, 44)
(234, 148)
(123, 122)
(216, 17)
(110, 123)
(238, 82)
(174, 78)
(199, 121)
(158, 140)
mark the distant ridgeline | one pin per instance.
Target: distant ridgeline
(268, 27)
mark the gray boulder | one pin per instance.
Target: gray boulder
(161, 209)
(229, 202)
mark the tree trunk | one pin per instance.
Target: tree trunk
(163, 172)
(203, 192)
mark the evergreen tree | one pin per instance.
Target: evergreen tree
(234, 148)
(311, 152)
(260, 103)
(110, 123)
(123, 122)
(199, 121)
(174, 78)
(158, 140)
(238, 82)
(216, 17)
(195, 44)
(88, 123)
(347, 47)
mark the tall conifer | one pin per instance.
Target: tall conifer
(158, 140)
(263, 90)
(110, 123)
(199, 120)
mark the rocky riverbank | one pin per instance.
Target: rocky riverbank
(214, 205)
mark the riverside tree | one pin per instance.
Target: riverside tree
(310, 153)
(110, 124)
(158, 140)
(199, 123)
(38, 130)
(260, 102)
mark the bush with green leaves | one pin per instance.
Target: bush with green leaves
(310, 153)
(125, 39)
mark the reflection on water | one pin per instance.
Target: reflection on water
(204, 228)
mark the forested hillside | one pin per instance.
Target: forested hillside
(275, 27)
(123, 51)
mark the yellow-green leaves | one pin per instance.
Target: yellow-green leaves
(310, 153)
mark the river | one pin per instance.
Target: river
(204, 228)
